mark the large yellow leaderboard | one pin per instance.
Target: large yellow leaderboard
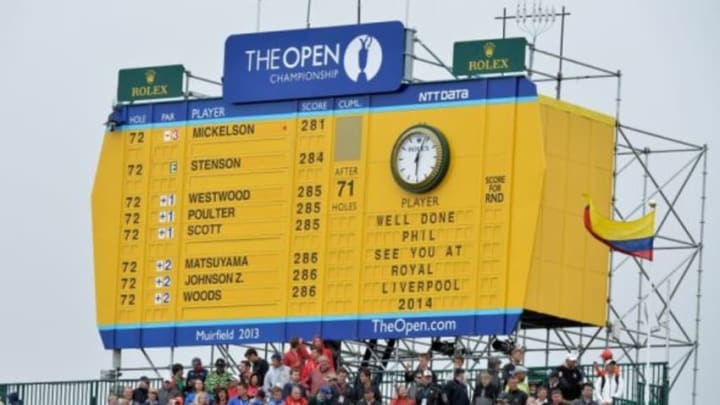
(406, 214)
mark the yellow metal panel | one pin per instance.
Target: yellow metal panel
(579, 151)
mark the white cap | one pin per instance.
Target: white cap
(572, 356)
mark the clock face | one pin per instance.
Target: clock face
(420, 158)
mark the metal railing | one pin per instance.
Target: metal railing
(95, 392)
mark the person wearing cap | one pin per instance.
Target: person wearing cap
(517, 353)
(609, 385)
(341, 390)
(514, 395)
(455, 390)
(197, 372)
(322, 397)
(260, 366)
(218, 377)
(486, 391)
(277, 375)
(520, 372)
(570, 378)
(428, 392)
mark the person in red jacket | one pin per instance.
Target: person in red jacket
(401, 396)
(296, 397)
(297, 355)
(319, 344)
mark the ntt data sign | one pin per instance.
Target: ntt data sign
(319, 62)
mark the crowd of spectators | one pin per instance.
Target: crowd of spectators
(311, 376)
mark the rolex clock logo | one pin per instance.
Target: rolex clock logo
(150, 76)
(363, 58)
(489, 50)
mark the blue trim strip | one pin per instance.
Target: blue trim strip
(325, 113)
(255, 321)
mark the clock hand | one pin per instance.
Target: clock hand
(417, 158)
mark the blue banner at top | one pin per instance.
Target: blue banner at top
(312, 63)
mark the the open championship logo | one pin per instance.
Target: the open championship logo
(363, 58)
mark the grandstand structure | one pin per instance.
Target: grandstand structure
(643, 328)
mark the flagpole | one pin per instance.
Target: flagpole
(649, 311)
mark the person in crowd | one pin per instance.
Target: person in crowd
(311, 364)
(401, 396)
(123, 401)
(542, 396)
(556, 397)
(364, 383)
(486, 391)
(532, 389)
(245, 371)
(197, 387)
(322, 397)
(606, 356)
(278, 374)
(127, 394)
(413, 386)
(254, 385)
(515, 395)
(458, 361)
(586, 396)
(13, 398)
(296, 355)
(428, 393)
(423, 364)
(570, 378)
(111, 400)
(456, 391)
(369, 397)
(296, 397)
(140, 394)
(232, 388)
(320, 376)
(319, 345)
(259, 397)
(276, 396)
(177, 379)
(152, 398)
(520, 373)
(495, 371)
(243, 398)
(218, 377)
(517, 354)
(260, 366)
(201, 398)
(609, 385)
(341, 389)
(221, 396)
(167, 391)
(295, 381)
(197, 372)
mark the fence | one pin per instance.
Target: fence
(95, 392)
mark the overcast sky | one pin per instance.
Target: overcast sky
(58, 72)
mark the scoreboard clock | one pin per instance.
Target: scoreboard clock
(420, 158)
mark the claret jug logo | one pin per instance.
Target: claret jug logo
(363, 58)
